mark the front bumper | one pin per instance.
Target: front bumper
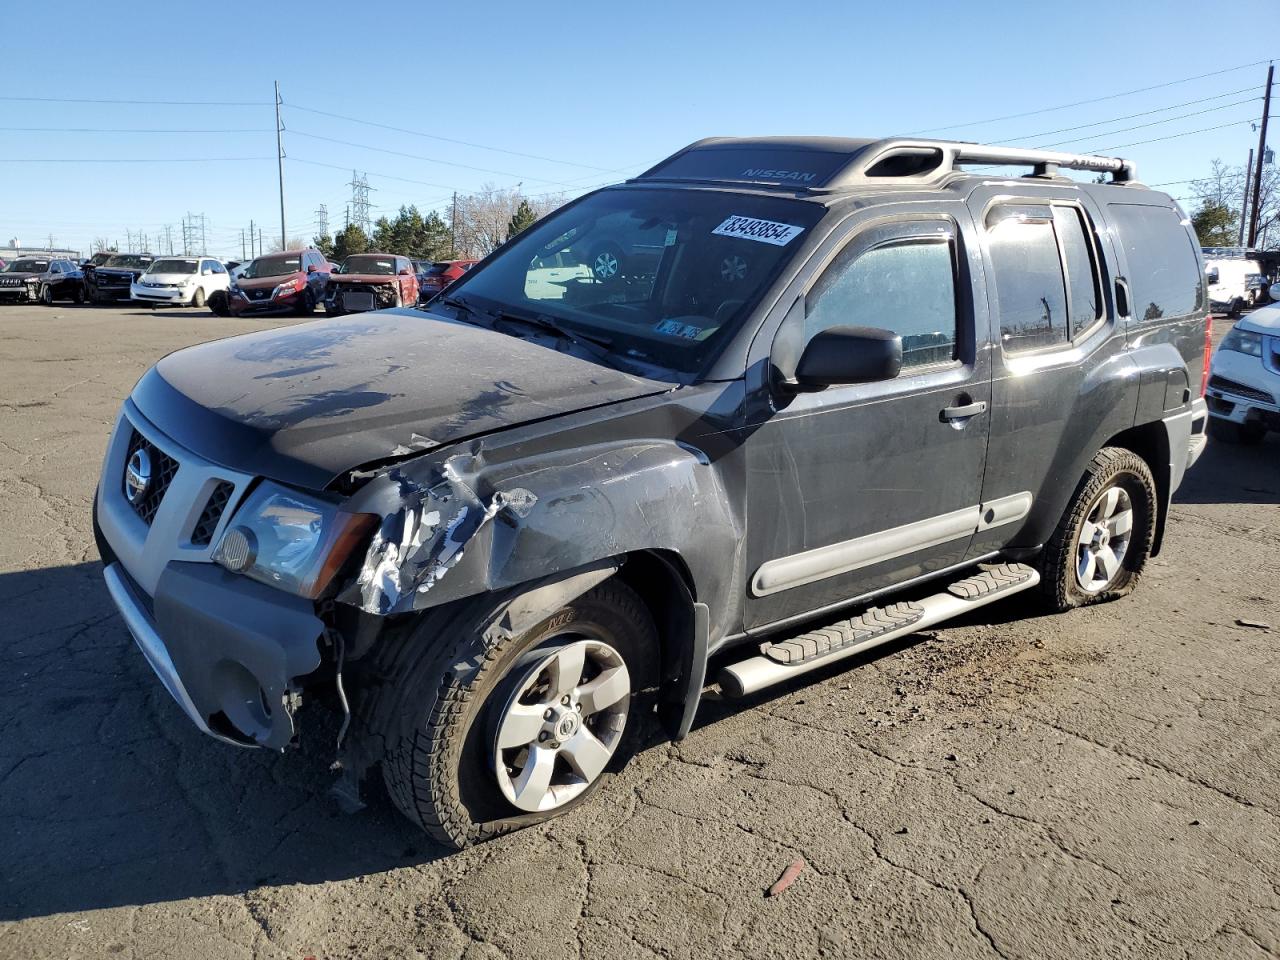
(159, 294)
(1244, 389)
(230, 651)
(241, 306)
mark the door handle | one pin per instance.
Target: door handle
(964, 412)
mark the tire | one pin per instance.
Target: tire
(308, 304)
(454, 689)
(1245, 434)
(46, 294)
(197, 298)
(218, 303)
(1116, 481)
(77, 295)
(1237, 305)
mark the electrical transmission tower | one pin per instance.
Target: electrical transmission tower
(360, 201)
(322, 220)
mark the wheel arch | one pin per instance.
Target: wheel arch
(1150, 441)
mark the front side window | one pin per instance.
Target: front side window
(1030, 288)
(662, 276)
(1163, 265)
(907, 286)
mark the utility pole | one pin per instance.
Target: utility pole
(251, 253)
(261, 249)
(1244, 200)
(284, 242)
(1262, 149)
(453, 229)
(242, 257)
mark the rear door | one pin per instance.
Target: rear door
(855, 488)
(1059, 359)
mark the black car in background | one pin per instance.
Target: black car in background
(46, 279)
(111, 281)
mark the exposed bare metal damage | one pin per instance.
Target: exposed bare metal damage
(416, 545)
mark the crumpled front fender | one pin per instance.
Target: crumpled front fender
(455, 526)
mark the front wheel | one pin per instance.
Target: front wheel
(197, 299)
(1103, 541)
(46, 294)
(503, 733)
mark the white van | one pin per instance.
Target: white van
(1235, 280)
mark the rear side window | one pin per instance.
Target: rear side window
(1164, 271)
(1030, 287)
(1084, 299)
(906, 286)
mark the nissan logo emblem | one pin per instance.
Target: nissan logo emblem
(137, 475)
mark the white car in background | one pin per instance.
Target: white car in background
(1244, 380)
(181, 281)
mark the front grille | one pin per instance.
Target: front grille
(1239, 389)
(202, 535)
(163, 469)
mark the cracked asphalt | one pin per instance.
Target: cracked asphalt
(1100, 784)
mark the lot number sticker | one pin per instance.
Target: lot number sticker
(762, 231)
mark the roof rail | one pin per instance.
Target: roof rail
(902, 158)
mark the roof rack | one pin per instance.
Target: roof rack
(900, 158)
(827, 164)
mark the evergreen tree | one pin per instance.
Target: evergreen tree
(349, 241)
(324, 244)
(1216, 224)
(522, 219)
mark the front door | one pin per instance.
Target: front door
(855, 488)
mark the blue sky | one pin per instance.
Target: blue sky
(579, 94)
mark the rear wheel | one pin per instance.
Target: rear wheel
(498, 734)
(1247, 434)
(1104, 539)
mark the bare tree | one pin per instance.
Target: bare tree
(295, 243)
(101, 244)
(484, 217)
(1229, 187)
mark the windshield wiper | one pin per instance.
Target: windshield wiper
(597, 346)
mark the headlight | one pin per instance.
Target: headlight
(289, 540)
(1243, 341)
(286, 288)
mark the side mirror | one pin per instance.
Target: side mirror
(406, 272)
(1212, 276)
(850, 355)
(311, 268)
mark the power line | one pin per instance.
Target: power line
(417, 156)
(1172, 136)
(1154, 123)
(128, 159)
(127, 130)
(160, 103)
(1131, 116)
(1081, 103)
(432, 136)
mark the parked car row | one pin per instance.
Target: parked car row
(294, 281)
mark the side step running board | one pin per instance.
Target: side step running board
(786, 659)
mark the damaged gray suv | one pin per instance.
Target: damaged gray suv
(828, 393)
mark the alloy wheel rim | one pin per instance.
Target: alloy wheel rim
(606, 265)
(1104, 540)
(562, 725)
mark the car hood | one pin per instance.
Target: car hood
(362, 278)
(166, 277)
(20, 274)
(265, 283)
(305, 404)
(1265, 320)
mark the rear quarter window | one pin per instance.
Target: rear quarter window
(1163, 267)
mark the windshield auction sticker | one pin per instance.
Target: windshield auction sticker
(762, 231)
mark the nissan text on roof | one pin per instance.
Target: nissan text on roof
(832, 392)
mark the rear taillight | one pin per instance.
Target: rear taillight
(1208, 353)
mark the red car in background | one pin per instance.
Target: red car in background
(442, 273)
(371, 281)
(288, 282)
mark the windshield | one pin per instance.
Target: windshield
(98, 259)
(27, 266)
(664, 276)
(369, 264)
(173, 266)
(436, 269)
(131, 260)
(271, 267)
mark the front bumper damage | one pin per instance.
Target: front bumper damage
(228, 650)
